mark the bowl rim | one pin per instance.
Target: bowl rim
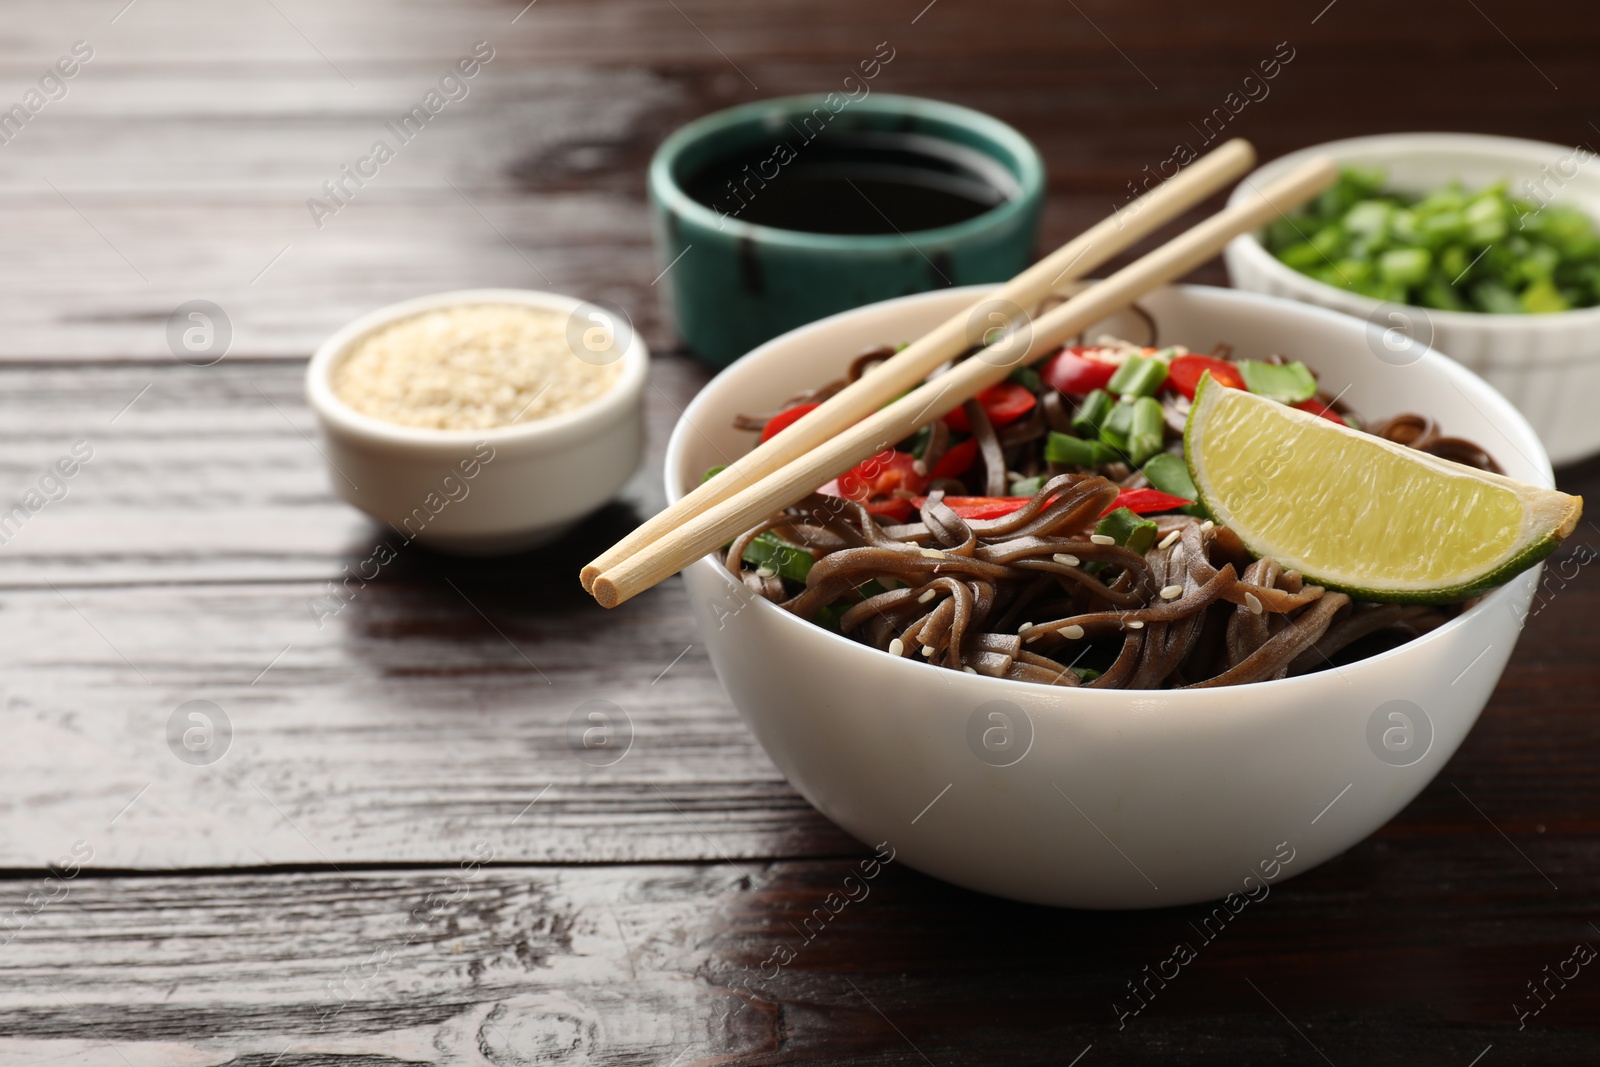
(1497, 600)
(563, 428)
(676, 202)
(1250, 248)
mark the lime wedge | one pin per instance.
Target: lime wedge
(1353, 512)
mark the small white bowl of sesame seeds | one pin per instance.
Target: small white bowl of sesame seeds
(483, 421)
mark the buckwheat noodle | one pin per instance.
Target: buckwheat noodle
(1027, 596)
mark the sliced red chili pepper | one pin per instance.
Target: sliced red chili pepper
(783, 419)
(877, 476)
(1139, 501)
(1003, 403)
(1081, 370)
(1184, 373)
(1145, 502)
(956, 461)
(979, 507)
(1317, 407)
(896, 509)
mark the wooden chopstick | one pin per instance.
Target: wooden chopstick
(910, 366)
(718, 524)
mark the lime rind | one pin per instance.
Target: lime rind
(1548, 516)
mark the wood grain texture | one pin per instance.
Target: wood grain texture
(180, 162)
(377, 753)
(677, 963)
(435, 704)
(185, 563)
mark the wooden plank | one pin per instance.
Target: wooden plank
(678, 964)
(436, 705)
(183, 564)
(416, 724)
(212, 474)
(284, 286)
(185, 151)
(638, 31)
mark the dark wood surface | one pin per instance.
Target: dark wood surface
(312, 898)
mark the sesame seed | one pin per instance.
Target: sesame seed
(1166, 542)
(765, 572)
(931, 553)
(1253, 602)
(927, 596)
(1031, 638)
(1172, 592)
(1136, 625)
(1065, 559)
(1071, 633)
(1024, 626)
(897, 647)
(969, 670)
(928, 650)
(473, 367)
(1207, 526)
(1102, 539)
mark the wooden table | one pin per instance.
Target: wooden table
(399, 859)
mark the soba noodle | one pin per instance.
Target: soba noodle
(1029, 596)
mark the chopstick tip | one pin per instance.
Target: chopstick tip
(605, 592)
(587, 577)
(1244, 149)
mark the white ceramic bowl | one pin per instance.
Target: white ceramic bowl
(1119, 799)
(1548, 365)
(482, 492)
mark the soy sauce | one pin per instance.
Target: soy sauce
(854, 183)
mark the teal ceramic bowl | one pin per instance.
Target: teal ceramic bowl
(732, 284)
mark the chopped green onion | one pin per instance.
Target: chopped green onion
(1147, 432)
(1542, 298)
(1029, 379)
(1170, 474)
(1075, 452)
(1138, 376)
(1453, 248)
(919, 441)
(779, 556)
(1092, 412)
(1539, 264)
(1289, 383)
(712, 473)
(1439, 293)
(1454, 261)
(1486, 219)
(1117, 425)
(1133, 532)
(1496, 298)
(1370, 219)
(1085, 674)
(1027, 486)
(1327, 241)
(1405, 266)
(1302, 256)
